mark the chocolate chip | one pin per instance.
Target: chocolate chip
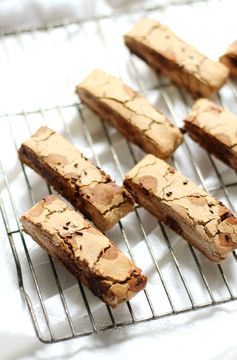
(65, 227)
(75, 165)
(148, 183)
(145, 191)
(171, 170)
(227, 238)
(185, 182)
(233, 60)
(74, 179)
(211, 211)
(226, 215)
(80, 247)
(169, 193)
(78, 233)
(216, 109)
(173, 224)
(67, 223)
(85, 172)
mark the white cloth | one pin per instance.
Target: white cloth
(35, 76)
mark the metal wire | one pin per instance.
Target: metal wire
(47, 333)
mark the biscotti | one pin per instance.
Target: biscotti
(182, 63)
(198, 217)
(84, 250)
(87, 187)
(215, 129)
(130, 113)
(230, 58)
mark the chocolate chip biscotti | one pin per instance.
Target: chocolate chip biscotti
(130, 113)
(215, 129)
(198, 217)
(182, 63)
(230, 58)
(87, 187)
(84, 250)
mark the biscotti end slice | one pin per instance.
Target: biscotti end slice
(84, 250)
(87, 187)
(130, 113)
(195, 215)
(230, 58)
(181, 62)
(215, 129)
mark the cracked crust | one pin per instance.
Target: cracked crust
(87, 187)
(84, 250)
(130, 113)
(182, 63)
(230, 58)
(215, 129)
(198, 217)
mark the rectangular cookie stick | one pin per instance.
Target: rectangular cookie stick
(230, 58)
(84, 250)
(87, 187)
(130, 113)
(195, 215)
(182, 63)
(215, 129)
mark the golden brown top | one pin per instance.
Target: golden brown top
(216, 121)
(85, 244)
(84, 177)
(133, 107)
(161, 39)
(210, 218)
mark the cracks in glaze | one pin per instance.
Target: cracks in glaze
(183, 63)
(143, 167)
(204, 214)
(102, 252)
(151, 121)
(113, 207)
(140, 121)
(211, 127)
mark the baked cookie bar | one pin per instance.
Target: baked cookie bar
(215, 129)
(84, 250)
(195, 215)
(230, 58)
(130, 113)
(182, 63)
(87, 187)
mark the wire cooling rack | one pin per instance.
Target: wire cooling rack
(41, 67)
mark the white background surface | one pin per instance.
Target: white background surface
(206, 334)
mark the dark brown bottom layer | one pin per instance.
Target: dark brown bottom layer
(170, 69)
(231, 63)
(211, 144)
(173, 220)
